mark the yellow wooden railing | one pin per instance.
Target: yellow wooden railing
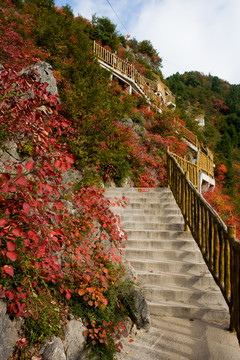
(217, 242)
(187, 134)
(146, 85)
(204, 164)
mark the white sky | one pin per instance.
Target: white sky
(189, 35)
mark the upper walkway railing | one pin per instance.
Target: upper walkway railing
(187, 134)
(204, 164)
(217, 242)
(146, 85)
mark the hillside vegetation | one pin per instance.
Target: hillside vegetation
(59, 241)
(218, 101)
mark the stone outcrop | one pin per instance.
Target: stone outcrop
(45, 75)
(8, 332)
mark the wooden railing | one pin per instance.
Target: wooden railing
(218, 244)
(204, 164)
(191, 168)
(188, 134)
(146, 85)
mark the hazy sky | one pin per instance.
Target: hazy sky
(189, 35)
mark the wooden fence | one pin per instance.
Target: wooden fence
(187, 134)
(146, 85)
(204, 164)
(217, 242)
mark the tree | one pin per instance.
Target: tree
(146, 46)
(104, 30)
(216, 84)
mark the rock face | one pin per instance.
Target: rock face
(45, 74)
(54, 350)
(71, 348)
(8, 332)
(74, 339)
(142, 317)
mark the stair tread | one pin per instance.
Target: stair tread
(169, 287)
(179, 304)
(165, 273)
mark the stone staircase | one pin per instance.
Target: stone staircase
(169, 266)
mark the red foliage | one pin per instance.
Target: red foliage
(36, 223)
(17, 52)
(221, 202)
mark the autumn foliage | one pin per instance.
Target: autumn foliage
(59, 247)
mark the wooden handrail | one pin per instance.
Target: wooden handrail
(204, 164)
(218, 244)
(146, 85)
(188, 134)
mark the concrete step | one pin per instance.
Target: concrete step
(209, 297)
(149, 212)
(216, 315)
(185, 256)
(198, 282)
(158, 234)
(131, 190)
(148, 206)
(154, 199)
(144, 218)
(161, 244)
(151, 226)
(169, 266)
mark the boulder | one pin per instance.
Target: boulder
(8, 332)
(53, 350)
(142, 317)
(45, 75)
(74, 339)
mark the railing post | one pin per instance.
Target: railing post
(186, 202)
(234, 278)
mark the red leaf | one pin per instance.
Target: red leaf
(57, 164)
(2, 222)
(26, 208)
(112, 251)
(71, 158)
(11, 246)
(8, 269)
(64, 124)
(17, 231)
(29, 165)
(12, 255)
(68, 295)
(22, 181)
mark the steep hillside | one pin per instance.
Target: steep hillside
(59, 239)
(218, 101)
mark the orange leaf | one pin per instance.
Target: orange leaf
(81, 292)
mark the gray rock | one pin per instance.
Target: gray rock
(8, 155)
(53, 350)
(8, 332)
(142, 317)
(74, 339)
(45, 74)
(72, 176)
